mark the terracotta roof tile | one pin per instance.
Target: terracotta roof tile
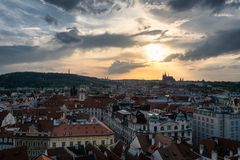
(19, 153)
(98, 154)
(42, 157)
(97, 129)
(59, 153)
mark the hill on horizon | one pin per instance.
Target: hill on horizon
(39, 80)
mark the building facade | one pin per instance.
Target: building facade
(216, 122)
(180, 127)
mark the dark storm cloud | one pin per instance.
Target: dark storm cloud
(22, 54)
(91, 6)
(95, 41)
(222, 43)
(151, 33)
(68, 37)
(119, 67)
(50, 20)
(171, 57)
(215, 5)
(65, 4)
(122, 57)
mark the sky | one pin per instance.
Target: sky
(122, 39)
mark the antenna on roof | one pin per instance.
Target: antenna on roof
(69, 72)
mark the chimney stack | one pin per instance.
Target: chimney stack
(214, 155)
(201, 148)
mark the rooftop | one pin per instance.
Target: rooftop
(69, 130)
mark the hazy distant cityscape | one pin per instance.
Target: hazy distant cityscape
(125, 119)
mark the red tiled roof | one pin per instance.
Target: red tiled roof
(55, 101)
(38, 112)
(96, 102)
(60, 153)
(161, 106)
(140, 100)
(177, 152)
(98, 154)
(65, 130)
(221, 145)
(19, 153)
(118, 148)
(110, 154)
(6, 134)
(42, 157)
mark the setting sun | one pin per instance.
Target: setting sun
(155, 52)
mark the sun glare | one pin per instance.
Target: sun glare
(155, 52)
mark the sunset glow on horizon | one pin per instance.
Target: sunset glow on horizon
(138, 39)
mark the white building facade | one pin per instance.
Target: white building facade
(180, 127)
(216, 122)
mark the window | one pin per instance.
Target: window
(103, 142)
(175, 134)
(176, 127)
(54, 144)
(155, 128)
(182, 134)
(79, 143)
(94, 142)
(182, 127)
(162, 128)
(168, 127)
(63, 144)
(86, 142)
(71, 144)
(111, 141)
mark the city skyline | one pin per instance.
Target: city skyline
(130, 39)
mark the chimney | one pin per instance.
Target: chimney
(214, 155)
(150, 136)
(123, 153)
(201, 148)
(179, 140)
(153, 141)
(159, 144)
(216, 140)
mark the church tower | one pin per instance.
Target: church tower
(82, 95)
